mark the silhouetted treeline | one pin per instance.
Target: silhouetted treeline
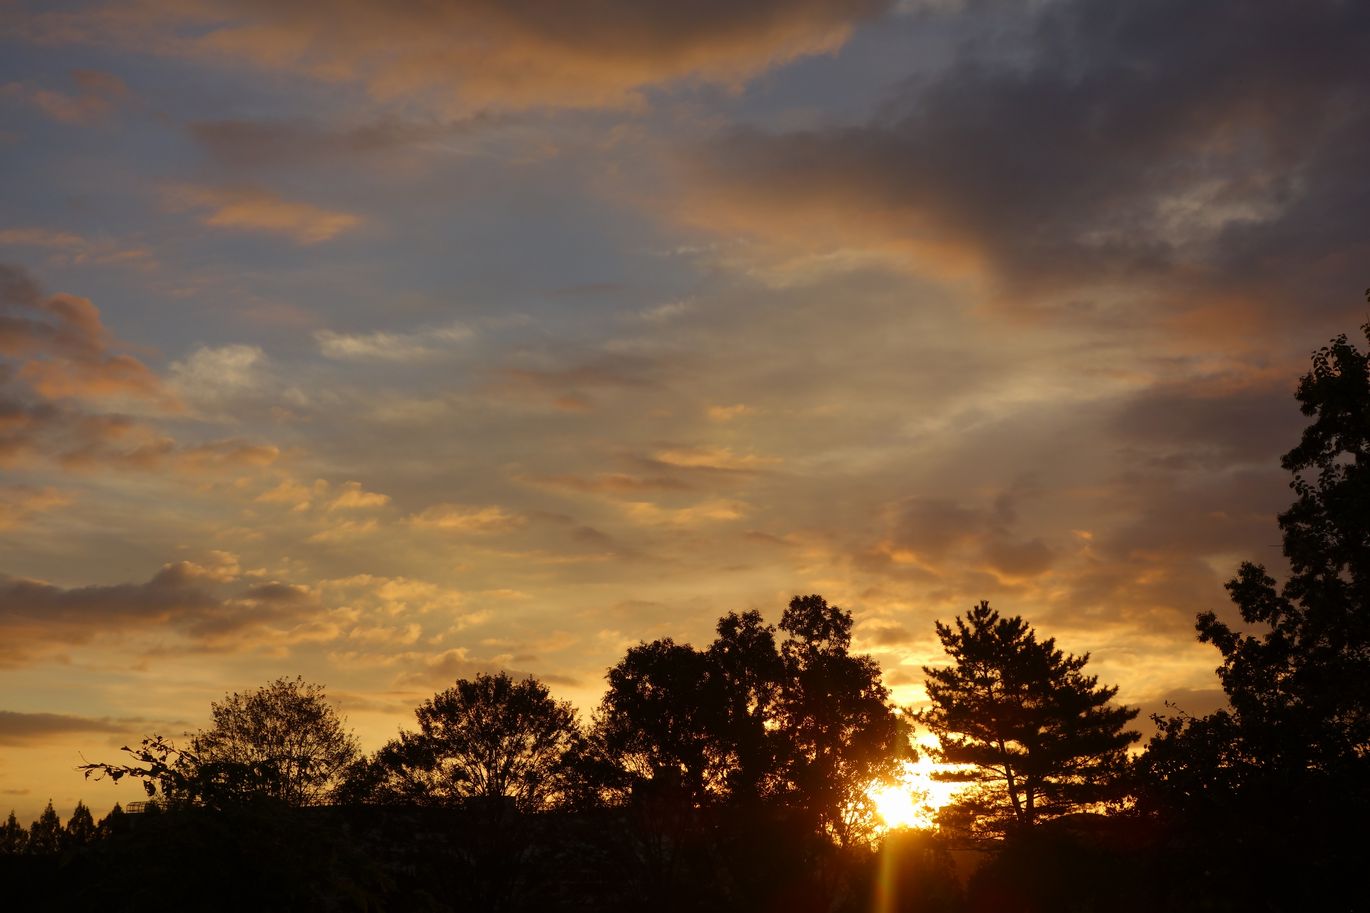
(738, 777)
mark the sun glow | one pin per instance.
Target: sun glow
(913, 801)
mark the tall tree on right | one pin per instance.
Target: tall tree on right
(1036, 737)
(1300, 686)
(1279, 780)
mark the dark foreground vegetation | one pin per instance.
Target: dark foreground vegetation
(737, 777)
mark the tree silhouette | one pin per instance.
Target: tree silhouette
(282, 742)
(750, 673)
(1296, 734)
(1039, 737)
(1300, 689)
(662, 718)
(835, 719)
(113, 823)
(489, 738)
(14, 838)
(176, 776)
(286, 730)
(45, 834)
(806, 724)
(80, 827)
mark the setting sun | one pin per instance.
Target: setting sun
(914, 801)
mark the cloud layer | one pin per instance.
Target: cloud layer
(470, 54)
(386, 343)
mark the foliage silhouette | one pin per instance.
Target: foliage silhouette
(661, 718)
(1038, 737)
(750, 672)
(488, 738)
(178, 776)
(1300, 690)
(280, 743)
(14, 838)
(286, 729)
(45, 834)
(80, 829)
(835, 721)
(1296, 733)
(806, 724)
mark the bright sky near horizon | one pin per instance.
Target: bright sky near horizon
(384, 343)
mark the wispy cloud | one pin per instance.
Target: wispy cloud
(462, 518)
(387, 346)
(96, 95)
(70, 249)
(255, 210)
(475, 54)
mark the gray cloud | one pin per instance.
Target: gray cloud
(17, 728)
(1192, 424)
(934, 528)
(195, 603)
(1200, 152)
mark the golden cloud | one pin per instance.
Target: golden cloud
(467, 55)
(19, 502)
(467, 519)
(251, 209)
(719, 458)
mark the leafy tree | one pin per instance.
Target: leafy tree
(1039, 738)
(1295, 736)
(805, 725)
(749, 672)
(1300, 687)
(489, 738)
(835, 717)
(286, 735)
(283, 742)
(178, 776)
(45, 834)
(661, 718)
(14, 838)
(80, 826)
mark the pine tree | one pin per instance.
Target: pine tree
(13, 838)
(80, 826)
(112, 823)
(45, 834)
(1037, 737)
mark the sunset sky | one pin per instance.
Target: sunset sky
(386, 343)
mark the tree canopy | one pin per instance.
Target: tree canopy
(282, 742)
(804, 723)
(287, 726)
(1295, 736)
(1039, 738)
(841, 734)
(1300, 685)
(489, 738)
